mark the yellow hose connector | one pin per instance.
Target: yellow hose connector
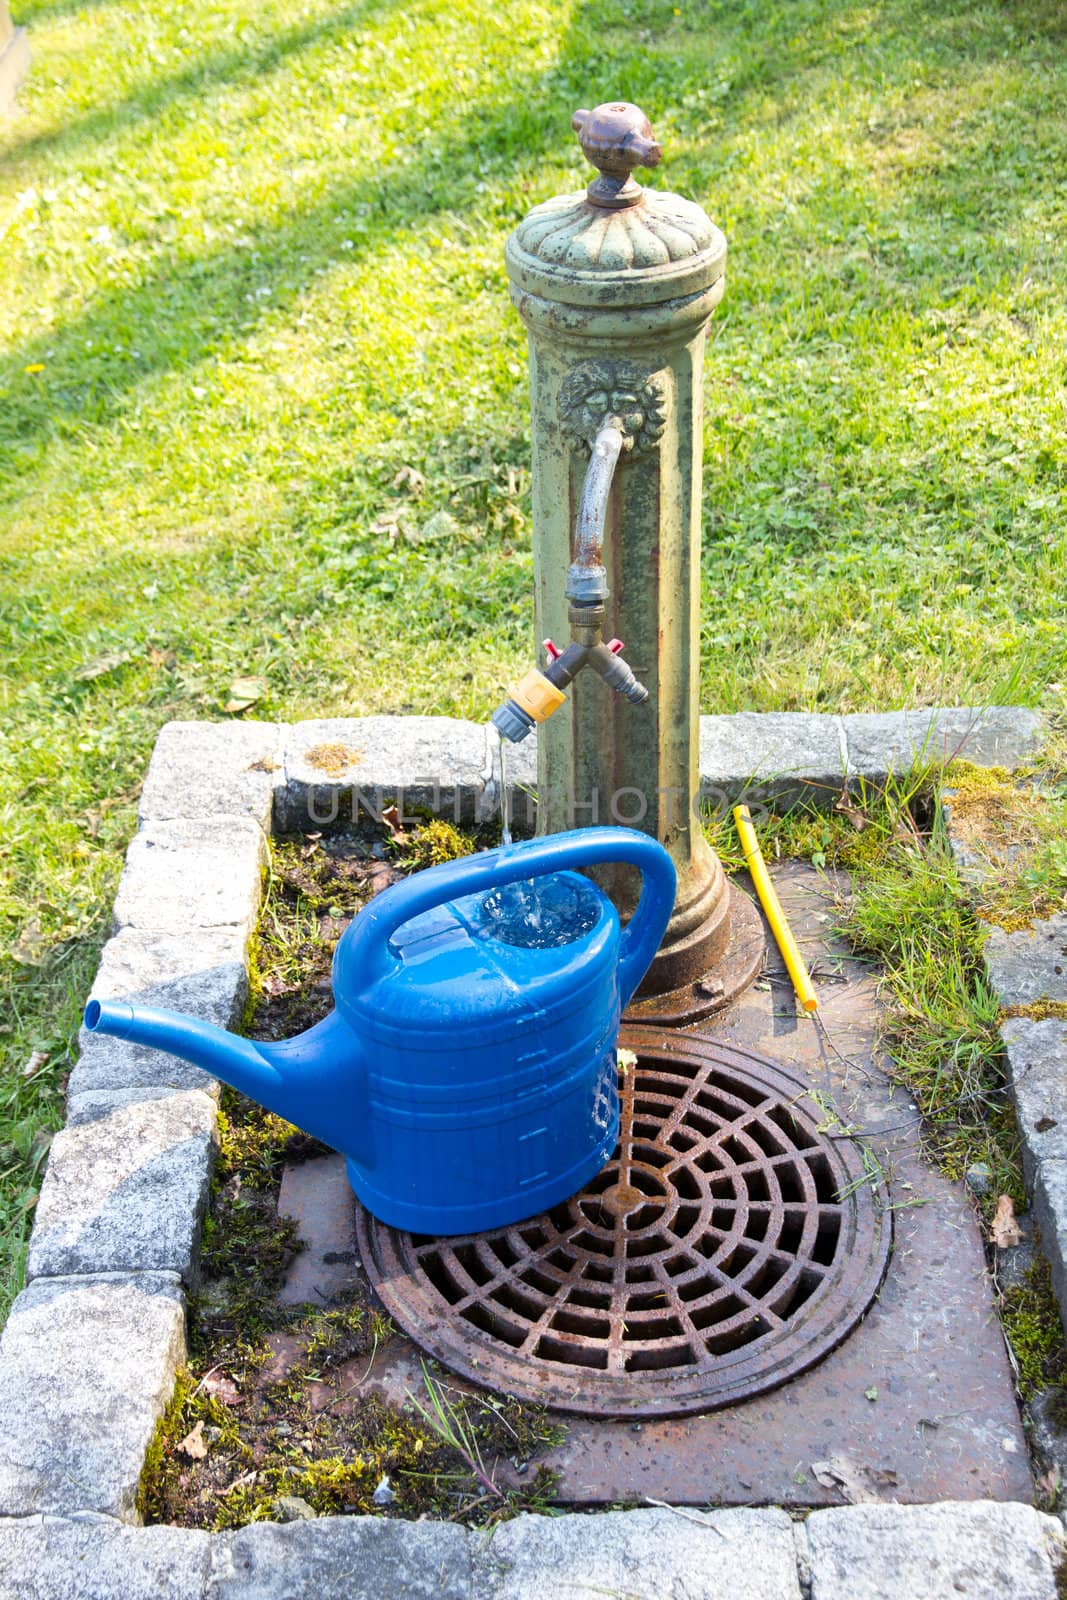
(537, 695)
(773, 907)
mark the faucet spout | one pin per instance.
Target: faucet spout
(587, 580)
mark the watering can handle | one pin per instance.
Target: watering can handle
(531, 858)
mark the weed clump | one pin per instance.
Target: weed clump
(913, 913)
(430, 844)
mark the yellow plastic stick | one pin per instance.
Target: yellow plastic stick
(773, 907)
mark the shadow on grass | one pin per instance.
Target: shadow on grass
(189, 307)
(223, 69)
(34, 13)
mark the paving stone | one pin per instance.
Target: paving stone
(127, 1192)
(317, 1195)
(1030, 964)
(981, 1549)
(880, 743)
(776, 757)
(201, 971)
(1049, 1210)
(339, 768)
(639, 1555)
(96, 1558)
(182, 876)
(108, 1065)
(86, 1367)
(342, 1558)
(94, 1104)
(214, 769)
(440, 763)
(197, 970)
(1037, 1061)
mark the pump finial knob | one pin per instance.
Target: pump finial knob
(615, 138)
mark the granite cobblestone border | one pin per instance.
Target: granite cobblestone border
(984, 1550)
(89, 1352)
(1026, 969)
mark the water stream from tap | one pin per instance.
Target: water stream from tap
(505, 825)
(518, 903)
(538, 913)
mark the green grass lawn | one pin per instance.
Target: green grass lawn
(252, 267)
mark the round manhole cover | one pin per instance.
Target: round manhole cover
(727, 1246)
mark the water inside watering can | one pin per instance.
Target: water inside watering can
(542, 912)
(537, 913)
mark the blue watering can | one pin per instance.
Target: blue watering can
(468, 1071)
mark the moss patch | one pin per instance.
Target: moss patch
(333, 759)
(1039, 1011)
(1032, 1327)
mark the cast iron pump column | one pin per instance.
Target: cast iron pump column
(616, 287)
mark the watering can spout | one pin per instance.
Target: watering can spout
(297, 1079)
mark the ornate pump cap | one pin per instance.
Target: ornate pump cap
(616, 138)
(616, 246)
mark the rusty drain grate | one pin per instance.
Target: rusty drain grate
(728, 1246)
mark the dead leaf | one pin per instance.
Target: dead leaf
(411, 479)
(442, 525)
(391, 818)
(100, 666)
(844, 805)
(1049, 1484)
(839, 1473)
(36, 1061)
(194, 1444)
(162, 658)
(275, 985)
(1004, 1231)
(31, 947)
(244, 692)
(221, 1388)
